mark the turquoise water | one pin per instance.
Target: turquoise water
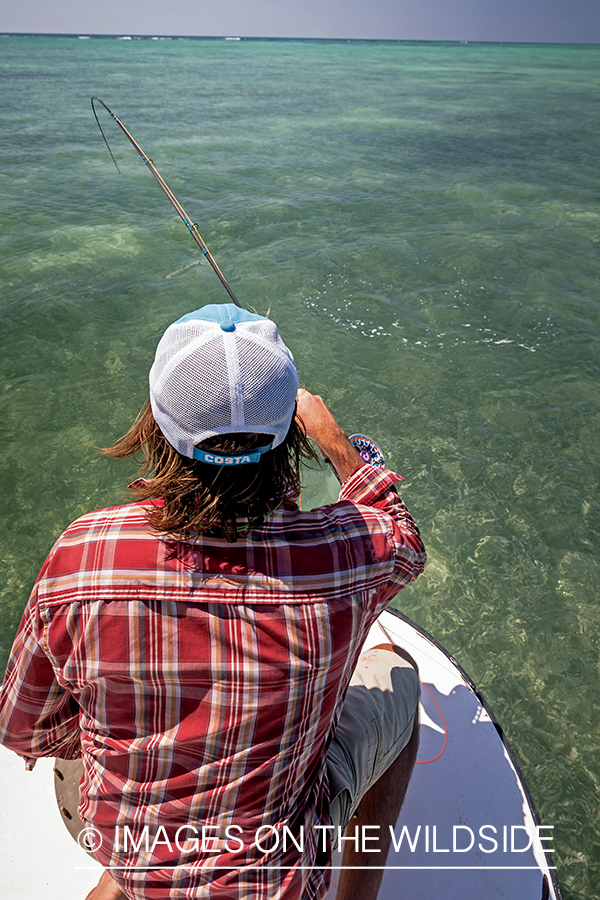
(422, 221)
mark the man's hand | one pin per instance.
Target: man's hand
(106, 889)
(331, 440)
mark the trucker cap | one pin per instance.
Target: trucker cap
(222, 370)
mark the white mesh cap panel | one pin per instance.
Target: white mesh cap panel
(261, 360)
(208, 379)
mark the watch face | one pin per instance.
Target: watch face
(368, 449)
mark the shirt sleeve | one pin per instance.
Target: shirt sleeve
(38, 716)
(373, 487)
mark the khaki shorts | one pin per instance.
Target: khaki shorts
(375, 725)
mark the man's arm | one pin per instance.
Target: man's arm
(372, 487)
(331, 440)
(38, 716)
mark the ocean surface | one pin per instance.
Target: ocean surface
(422, 222)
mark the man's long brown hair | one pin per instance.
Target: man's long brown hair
(198, 496)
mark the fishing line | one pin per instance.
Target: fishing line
(191, 227)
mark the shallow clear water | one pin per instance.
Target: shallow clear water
(422, 221)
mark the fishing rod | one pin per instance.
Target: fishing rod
(191, 227)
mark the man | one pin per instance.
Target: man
(195, 647)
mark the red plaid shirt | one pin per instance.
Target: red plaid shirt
(202, 683)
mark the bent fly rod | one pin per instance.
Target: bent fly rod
(191, 227)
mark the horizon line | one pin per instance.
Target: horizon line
(232, 36)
